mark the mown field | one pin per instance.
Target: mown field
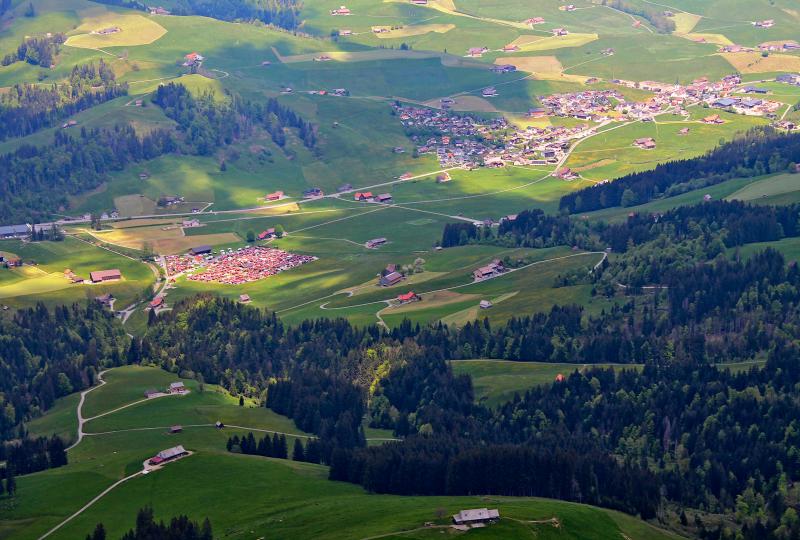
(41, 278)
(245, 496)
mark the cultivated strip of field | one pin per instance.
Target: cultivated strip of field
(357, 56)
(537, 43)
(132, 29)
(546, 68)
(755, 63)
(416, 30)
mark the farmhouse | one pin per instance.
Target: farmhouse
(168, 455)
(190, 223)
(511, 48)
(484, 304)
(534, 20)
(441, 178)
(560, 31)
(313, 193)
(244, 298)
(789, 78)
(683, 131)
(384, 198)
(494, 268)
(200, 250)
(390, 279)
(108, 31)
(646, 143)
(99, 276)
(177, 388)
(504, 68)
(274, 196)
(420, 2)
(375, 242)
(175, 429)
(269, 233)
(157, 302)
(151, 393)
(193, 59)
(767, 23)
(158, 11)
(105, 299)
(476, 516)
(15, 231)
(408, 297)
(344, 187)
(342, 10)
(363, 196)
(477, 52)
(489, 91)
(713, 119)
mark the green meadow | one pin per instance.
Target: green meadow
(41, 278)
(496, 381)
(244, 496)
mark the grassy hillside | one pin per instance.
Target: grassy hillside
(245, 496)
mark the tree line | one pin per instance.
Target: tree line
(281, 13)
(28, 455)
(147, 528)
(37, 51)
(759, 151)
(275, 447)
(27, 108)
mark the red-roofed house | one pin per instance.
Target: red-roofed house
(410, 296)
(275, 196)
(363, 196)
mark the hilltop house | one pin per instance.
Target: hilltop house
(168, 455)
(475, 516)
(341, 10)
(193, 59)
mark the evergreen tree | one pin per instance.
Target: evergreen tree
(297, 452)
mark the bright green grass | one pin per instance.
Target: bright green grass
(789, 247)
(125, 385)
(496, 381)
(248, 496)
(719, 191)
(52, 258)
(771, 186)
(60, 420)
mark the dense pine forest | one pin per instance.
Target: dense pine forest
(757, 152)
(280, 13)
(147, 528)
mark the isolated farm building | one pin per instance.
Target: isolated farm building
(391, 267)
(168, 455)
(151, 392)
(244, 298)
(158, 11)
(560, 31)
(560, 377)
(648, 143)
(15, 231)
(485, 304)
(345, 32)
(274, 196)
(443, 177)
(475, 516)
(420, 2)
(177, 388)
(200, 250)
(193, 59)
(511, 48)
(190, 223)
(684, 131)
(157, 302)
(219, 425)
(494, 268)
(363, 196)
(342, 10)
(385, 198)
(175, 429)
(344, 187)
(99, 276)
(504, 68)
(375, 242)
(390, 279)
(312, 193)
(69, 124)
(109, 30)
(410, 296)
(508, 218)
(269, 233)
(565, 173)
(489, 91)
(767, 23)
(477, 51)
(105, 299)
(712, 119)
(534, 20)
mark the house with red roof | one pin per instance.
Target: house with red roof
(410, 296)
